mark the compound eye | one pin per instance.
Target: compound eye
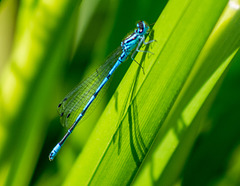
(140, 24)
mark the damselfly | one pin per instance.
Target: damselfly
(85, 93)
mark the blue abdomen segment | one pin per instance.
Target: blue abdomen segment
(54, 152)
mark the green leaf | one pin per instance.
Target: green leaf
(190, 55)
(26, 82)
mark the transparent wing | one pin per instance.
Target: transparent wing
(73, 104)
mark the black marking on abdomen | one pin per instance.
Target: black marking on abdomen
(95, 95)
(83, 112)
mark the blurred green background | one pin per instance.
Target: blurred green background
(49, 47)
